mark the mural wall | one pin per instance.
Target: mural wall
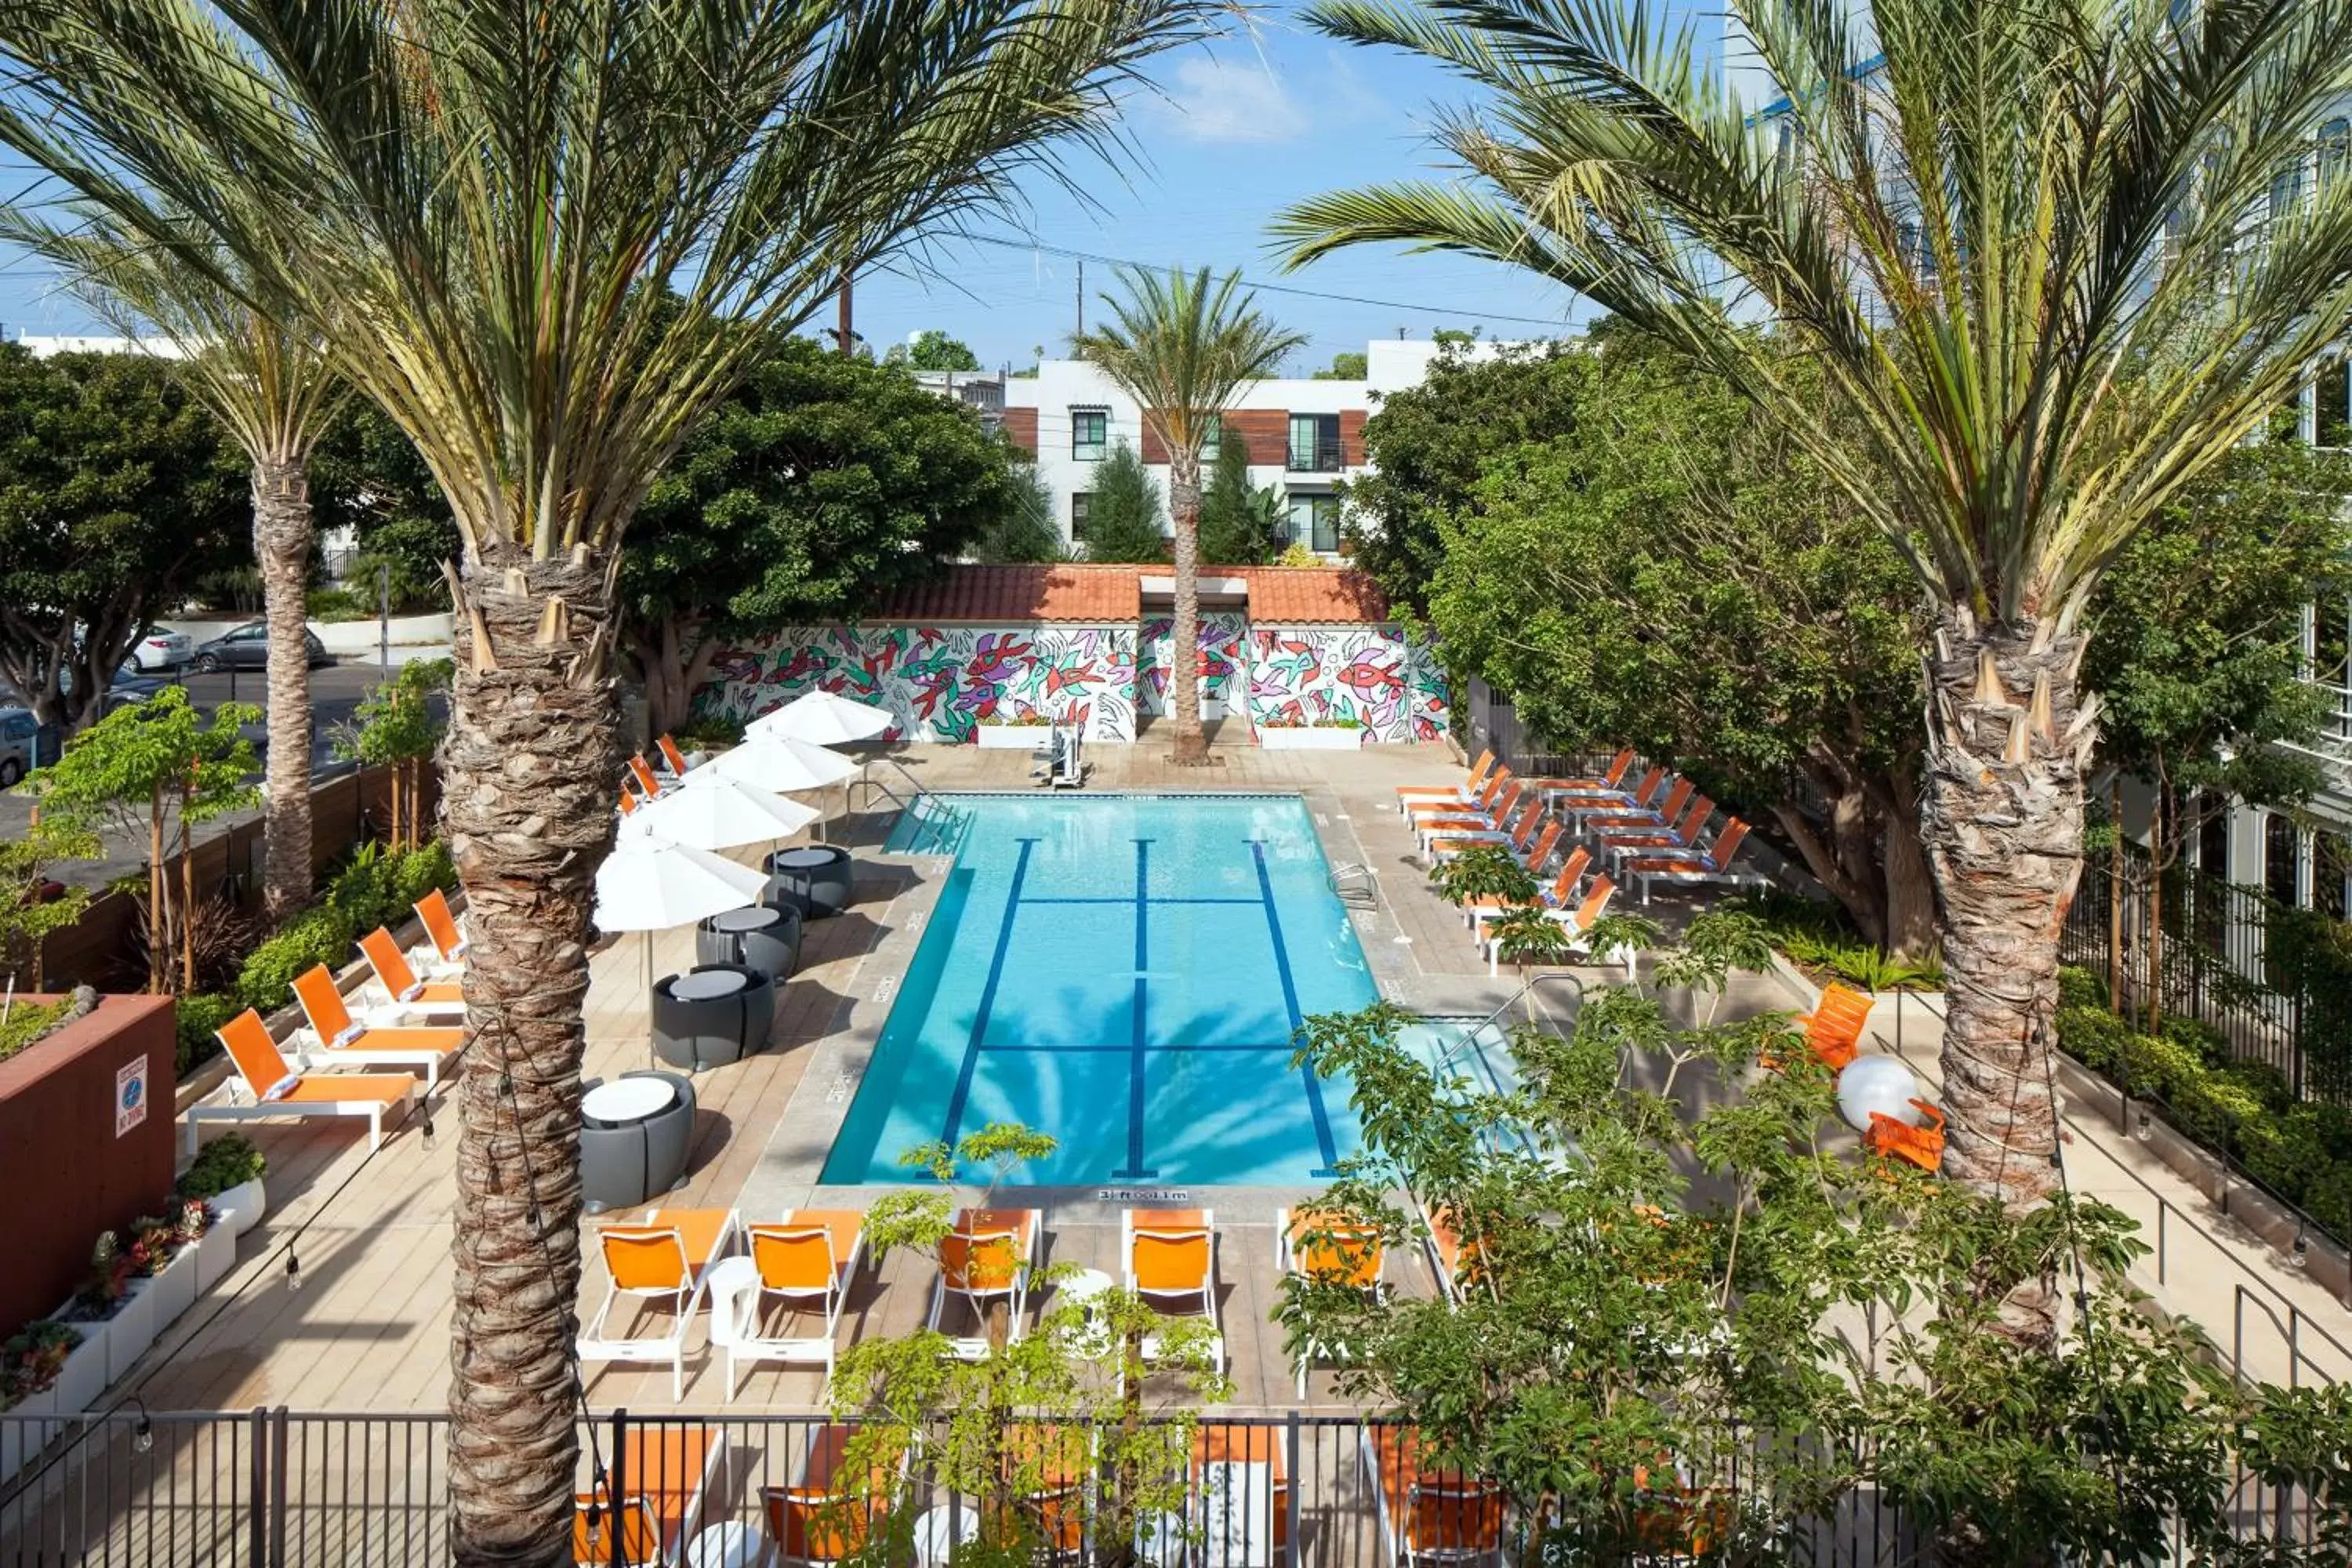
(1374, 675)
(1222, 632)
(939, 682)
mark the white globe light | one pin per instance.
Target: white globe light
(1880, 1084)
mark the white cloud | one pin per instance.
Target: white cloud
(1228, 101)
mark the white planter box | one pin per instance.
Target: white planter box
(1319, 738)
(130, 1330)
(242, 1206)
(83, 1382)
(216, 1252)
(172, 1292)
(23, 1433)
(1011, 737)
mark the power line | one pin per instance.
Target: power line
(1448, 311)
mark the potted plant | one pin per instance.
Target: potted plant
(113, 1298)
(226, 1174)
(1017, 731)
(32, 1362)
(1329, 734)
(165, 1254)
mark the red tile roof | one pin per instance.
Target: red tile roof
(1278, 596)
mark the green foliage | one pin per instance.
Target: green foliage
(117, 491)
(708, 731)
(228, 1160)
(1023, 531)
(114, 771)
(1483, 871)
(323, 934)
(1348, 364)
(195, 1020)
(1820, 939)
(932, 350)
(332, 604)
(1124, 511)
(376, 888)
(27, 914)
(1241, 524)
(29, 1021)
(396, 721)
(1297, 554)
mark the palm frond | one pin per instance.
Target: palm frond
(1181, 345)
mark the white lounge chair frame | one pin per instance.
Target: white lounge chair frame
(1206, 1292)
(739, 1300)
(684, 1299)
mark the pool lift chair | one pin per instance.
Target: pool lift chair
(1060, 763)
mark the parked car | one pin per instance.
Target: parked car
(160, 649)
(17, 730)
(129, 685)
(248, 647)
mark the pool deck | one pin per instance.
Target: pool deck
(369, 1331)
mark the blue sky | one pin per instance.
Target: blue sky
(1235, 132)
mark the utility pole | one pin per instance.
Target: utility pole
(1082, 297)
(845, 334)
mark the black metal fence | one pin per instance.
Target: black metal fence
(2274, 980)
(273, 1488)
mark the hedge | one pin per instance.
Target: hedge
(2301, 1150)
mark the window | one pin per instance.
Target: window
(2335, 148)
(1214, 442)
(2281, 858)
(1315, 523)
(1078, 515)
(1314, 443)
(1089, 434)
(2332, 390)
(2287, 190)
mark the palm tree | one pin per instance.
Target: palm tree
(2054, 257)
(1181, 348)
(545, 239)
(271, 387)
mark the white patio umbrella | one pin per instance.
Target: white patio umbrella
(650, 883)
(787, 766)
(706, 810)
(824, 718)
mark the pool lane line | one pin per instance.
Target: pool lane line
(1136, 1046)
(1130, 898)
(1298, 1020)
(957, 1100)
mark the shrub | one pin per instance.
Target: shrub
(420, 872)
(366, 889)
(29, 1022)
(2328, 1199)
(2211, 1107)
(332, 604)
(226, 1161)
(2078, 987)
(197, 1017)
(707, 731)
(320, 935)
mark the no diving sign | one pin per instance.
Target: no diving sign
(129, 1095)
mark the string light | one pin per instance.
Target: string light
(2299, 1255)
(425, 1131)
(143, 1437)
(2145, 1129)
(293, 1269)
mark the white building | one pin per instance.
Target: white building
(1304, 434)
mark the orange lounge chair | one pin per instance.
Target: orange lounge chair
(1576, 809)
(1171, 1260)
(1610, 786)
(662, 1260)
(1518, 833)
(400, 981)
(1689, 867)
(1500, 827)
(342, 1038)
(990, 1253)
(1921, 1146)
(643, 773)
(826, 1515)
(1500, 789)
(1577, 921)
(1329, 1250)
(1455, 1262)
(1833, 1028)
(1663, 839)
(277, 1090)
(663, 1476)
(1637, 818)
(808, 1259)
(1477, 911)
(441, 927)
(1429, 1515)
(1410, 795)
(673, 756)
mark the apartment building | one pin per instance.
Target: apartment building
(1305, 437)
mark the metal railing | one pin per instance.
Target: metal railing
(275, 1488)
(1317, 457)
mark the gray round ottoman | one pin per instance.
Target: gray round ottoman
(712, 1015)
(765, 937)
(636, 1133)
(814, 879)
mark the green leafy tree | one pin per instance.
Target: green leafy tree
(818, 485)
(271, 389)
(1023, 531)
(1428, 448)
(32, 903)
(117, 491)
(2016, 374)
(1123, 510)
(1348, 364)
(1241, 524)
(367, 475)
(162, 767)
(1182, 347)
(483, 207)
(397, 725)
(2196, 645)
(932, 350)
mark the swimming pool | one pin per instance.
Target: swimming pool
(1125, 972)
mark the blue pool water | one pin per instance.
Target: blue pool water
(1125, 972)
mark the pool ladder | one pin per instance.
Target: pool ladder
(1355, 884)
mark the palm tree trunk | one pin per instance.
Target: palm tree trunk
(2002, 817)
(1184, 639)
(527, 761)
(281, 542)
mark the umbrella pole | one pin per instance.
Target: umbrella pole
(649, 999)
